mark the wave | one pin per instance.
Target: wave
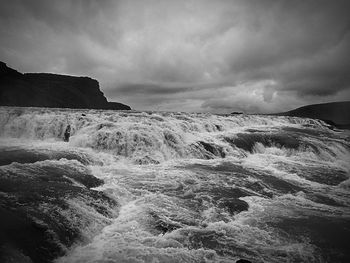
(48, 205)
(171, 187)
(149, 137)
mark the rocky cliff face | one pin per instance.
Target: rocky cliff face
(51, 90)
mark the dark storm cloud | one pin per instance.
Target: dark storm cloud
(251, 55)
(147, 89)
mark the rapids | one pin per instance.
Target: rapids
(171, 187)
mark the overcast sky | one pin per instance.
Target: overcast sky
(217, 56)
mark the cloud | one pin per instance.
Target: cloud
(253, 55)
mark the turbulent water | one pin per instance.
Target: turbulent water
(171, 187)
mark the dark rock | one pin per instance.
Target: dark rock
(51, 90)
(243, 261)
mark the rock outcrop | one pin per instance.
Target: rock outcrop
(52, 90)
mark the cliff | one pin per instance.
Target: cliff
(51, 90)
(336, 113)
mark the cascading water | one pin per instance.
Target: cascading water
(171, 187)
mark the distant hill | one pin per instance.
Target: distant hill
(51, 90)
(337, 113)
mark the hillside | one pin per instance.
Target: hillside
(51, 90)
(336, 112)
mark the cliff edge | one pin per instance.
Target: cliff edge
(52, 90)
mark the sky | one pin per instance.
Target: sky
(255, 56)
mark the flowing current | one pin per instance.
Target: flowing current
(171, 187)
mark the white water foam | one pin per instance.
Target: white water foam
(170, 173)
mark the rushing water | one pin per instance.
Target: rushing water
(171, 187)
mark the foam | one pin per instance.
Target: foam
(170, 171)
(142, 137)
